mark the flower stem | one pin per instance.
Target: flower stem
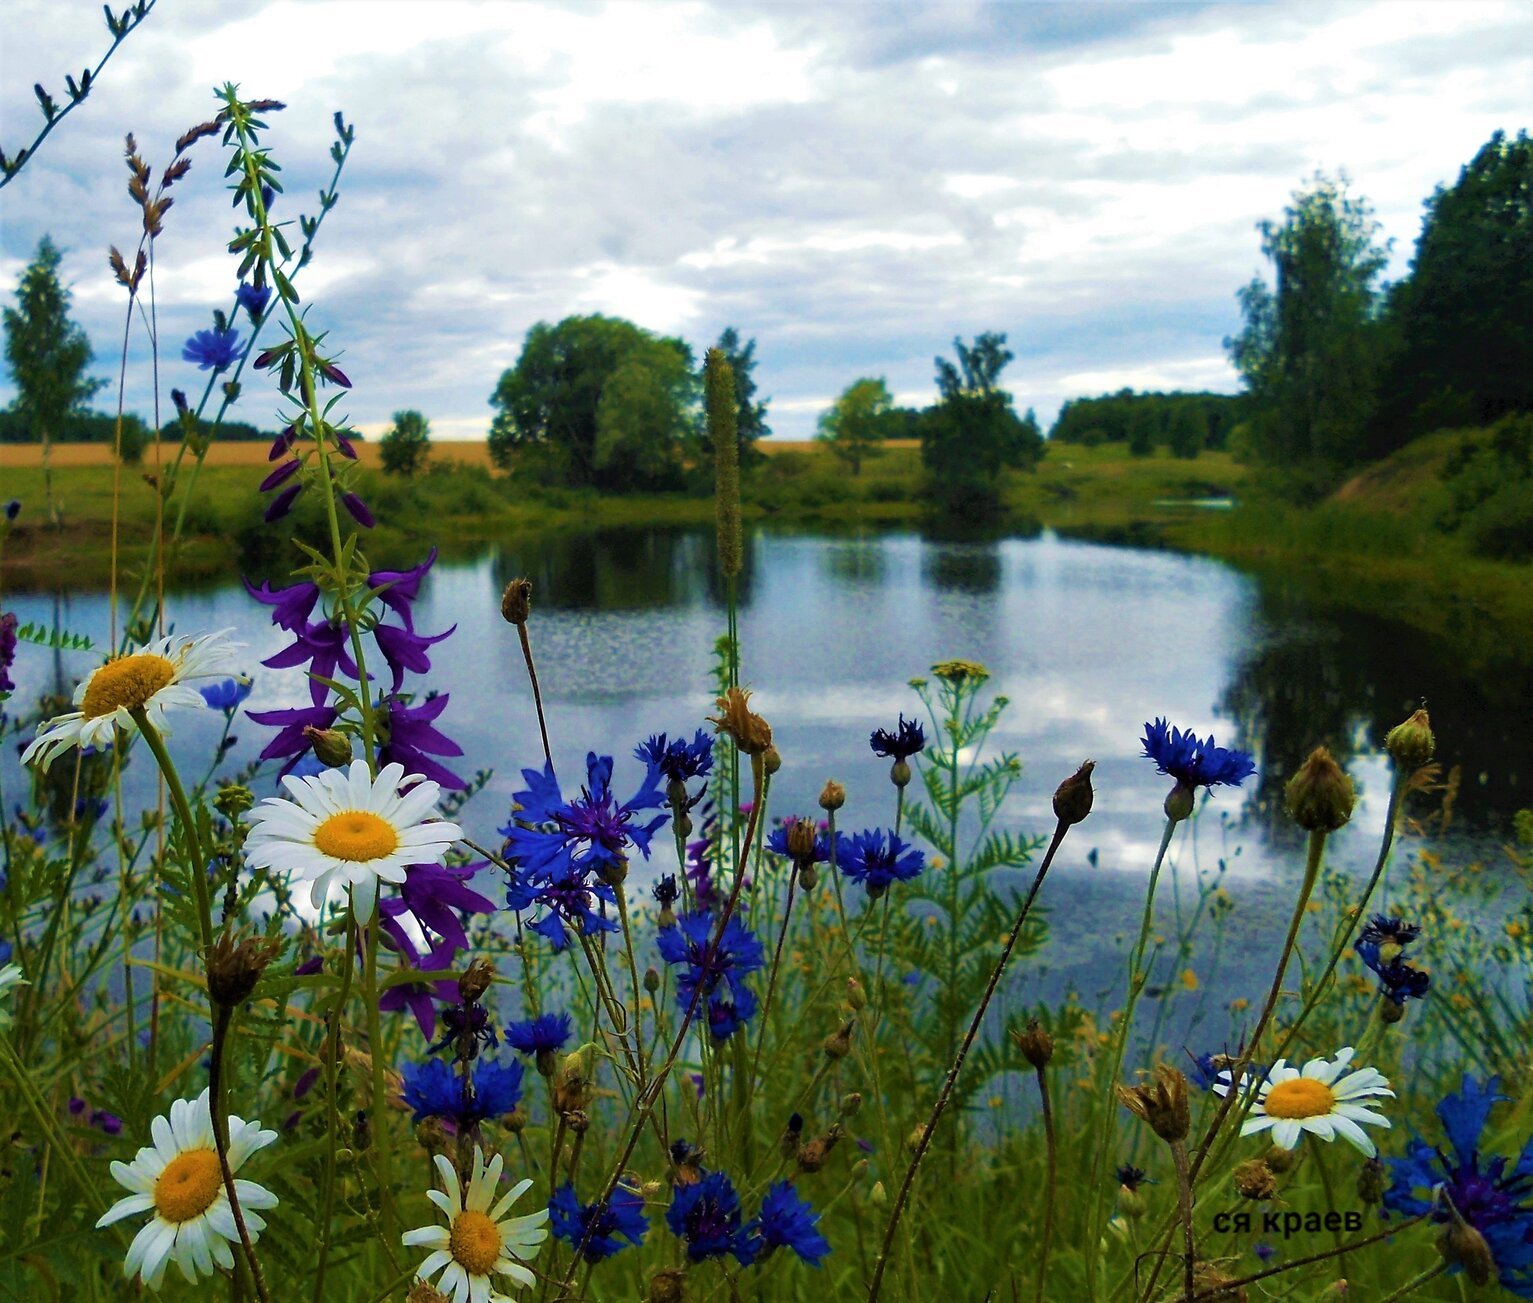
(198, 865)
(952, 1076)
(1051, 1150)
(222, 1018)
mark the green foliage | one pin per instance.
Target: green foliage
(972, 434)
(1312, 347)
(852, 427)
(48, 354)
(46, 635)
(406, 444)
(557, 398)
(1464, 316)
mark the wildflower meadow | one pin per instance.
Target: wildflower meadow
(286, 1030)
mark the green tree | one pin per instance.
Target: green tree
(1187, 429)
(554, 401)
(1464, 316)
(750, 415)
(853, 426)
(406, 444)
(972, 433)
(48, 356)
(1312, 346)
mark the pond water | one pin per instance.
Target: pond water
(1087, 641)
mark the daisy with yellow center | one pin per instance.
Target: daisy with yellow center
(178, 1181)
(1323, 1098)
(152, 681)
(478, 1241)
(346, 825)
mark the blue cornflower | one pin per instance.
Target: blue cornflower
(226, 695)
(1496, 1202)
(706, 1215)
(727, 1012)
(1379, 946)
(568, 899)
(477, 1028)
(592, 830)
(866, 859)
(1192, 761)
(545, 1034)
(213, 350)
(665, 891)
(1131, 1177)
(571, 1221)
(679, 760)
(253, 298)
(908, 738)
(787, 1221)
(435, 1089)
(738, 953)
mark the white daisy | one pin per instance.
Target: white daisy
(1318, 1099)
(345, 824)
(10, 976)
(179, 1181)
(153, 680)
(476, 1242)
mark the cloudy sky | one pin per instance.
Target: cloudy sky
(851, 184)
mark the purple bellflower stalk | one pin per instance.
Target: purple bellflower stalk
(434, 895)
(422, 998)
(291, 743)
(410, 737)
(1492, 1194)
(322, 646)
(291, 606)
(405, 650)
(7, 650)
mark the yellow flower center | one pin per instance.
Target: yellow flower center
(356, 835)
(188, 1185)
(127, 682)
(475, 1242)
(1300, 1098)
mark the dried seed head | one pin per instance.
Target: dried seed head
(1210, 1283)
(668, 1286)
(476, 981)
(801, 840)
(234, 967)
(771, 759)
(1162, 1103)
(832, 795)
(1072, 798)
(811, 1158)
(1254, 1180)
(751, 733)
(1036, 1045)
(431, 1135)
(423, 1292)
(516, 601)
(1372, 1180)
(1411, 744)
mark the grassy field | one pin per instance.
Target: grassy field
(461, 502)
(1372, 546)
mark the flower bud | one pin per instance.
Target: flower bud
(832, 795)
(801, 840)
(431, 1135)
(771, 760)
(808, 876)
(1281, 1160)
(1254, 1180)
(899, 773)
(1179, 802)
(516, 601)
(652, 978)
(614, 872)
(1320, 796)
(1464, 1246)
(1335, 1290)
(878, 1196)
(578, 1121)
(1411, 744)
(233, 799)
(1036, 1045)
(331, 746)
(514, 1122)
(850, 1104)
(839, 1043)
(1072, 798)
(855, 995)
(1131, 1202)
(1391, 1013)
(476, 981)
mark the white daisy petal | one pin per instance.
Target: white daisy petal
(1350, 1131)
(1286, 1132)
(134, 1203)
